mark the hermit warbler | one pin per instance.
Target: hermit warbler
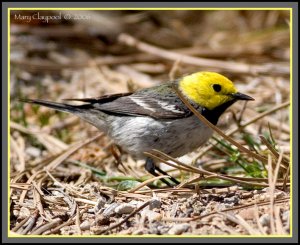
(156, 118)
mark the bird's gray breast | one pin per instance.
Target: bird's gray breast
(175, 137)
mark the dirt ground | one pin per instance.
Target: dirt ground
(67, 178)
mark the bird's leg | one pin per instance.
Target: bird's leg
(151, 167)
(117, 157)
(165, 173)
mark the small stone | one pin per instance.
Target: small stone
(247, 214)
(125, 208)
(266, 229)
(125, 232)
(246, 195)
(138, 232)
(110, 210)
(265, 220)
(220, 207)
(135, 203)
(160, 229)
(16, 212)
(277, 193)
(85, 225)
(231, 200)
(91, 211)
(24, 213)
(102, 220)
(286, 216)
(262, 197)
(155, 203)
(33, 151)
(95, 230)
(100, 204)
(286, 220)
(179, 229)
(151, 215)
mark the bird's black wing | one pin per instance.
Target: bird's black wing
(101, 99)
(159, 102)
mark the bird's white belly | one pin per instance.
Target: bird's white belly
(174, 137)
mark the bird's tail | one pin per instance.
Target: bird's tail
(54, 105)
(85, 111)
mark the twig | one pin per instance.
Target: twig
(64, 186)
(260, 227)
(240, 221)
(146, 182)
(52, 144)
(68, 222)
(127, 218)
(272, 183)
(224, 65)
(20, 154)
(285, 178)
(273, 122)
(77, 220)
(30, 223)
(29, 181)
(85, 201)
(20, 186)
(168, 190)
(174, 70)
(240, 116)
(273, 151)
(117, 157)
(246, 181)
(245, 124)
(70, 201)
(186, 167)
(270, 177)
(47, 226)
(70, 151)
(278, 223)
(179, 166)
(192, 180)
(38, 203)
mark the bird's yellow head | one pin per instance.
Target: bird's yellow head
(210, 89)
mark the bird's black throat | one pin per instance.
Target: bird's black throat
(213, 115)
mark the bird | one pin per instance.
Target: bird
(155, 117)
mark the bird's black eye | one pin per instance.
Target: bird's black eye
(217, 87)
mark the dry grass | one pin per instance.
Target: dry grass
(68, 179)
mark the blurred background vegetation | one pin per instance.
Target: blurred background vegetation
(92, 53)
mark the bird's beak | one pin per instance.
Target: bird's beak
(240, 96)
